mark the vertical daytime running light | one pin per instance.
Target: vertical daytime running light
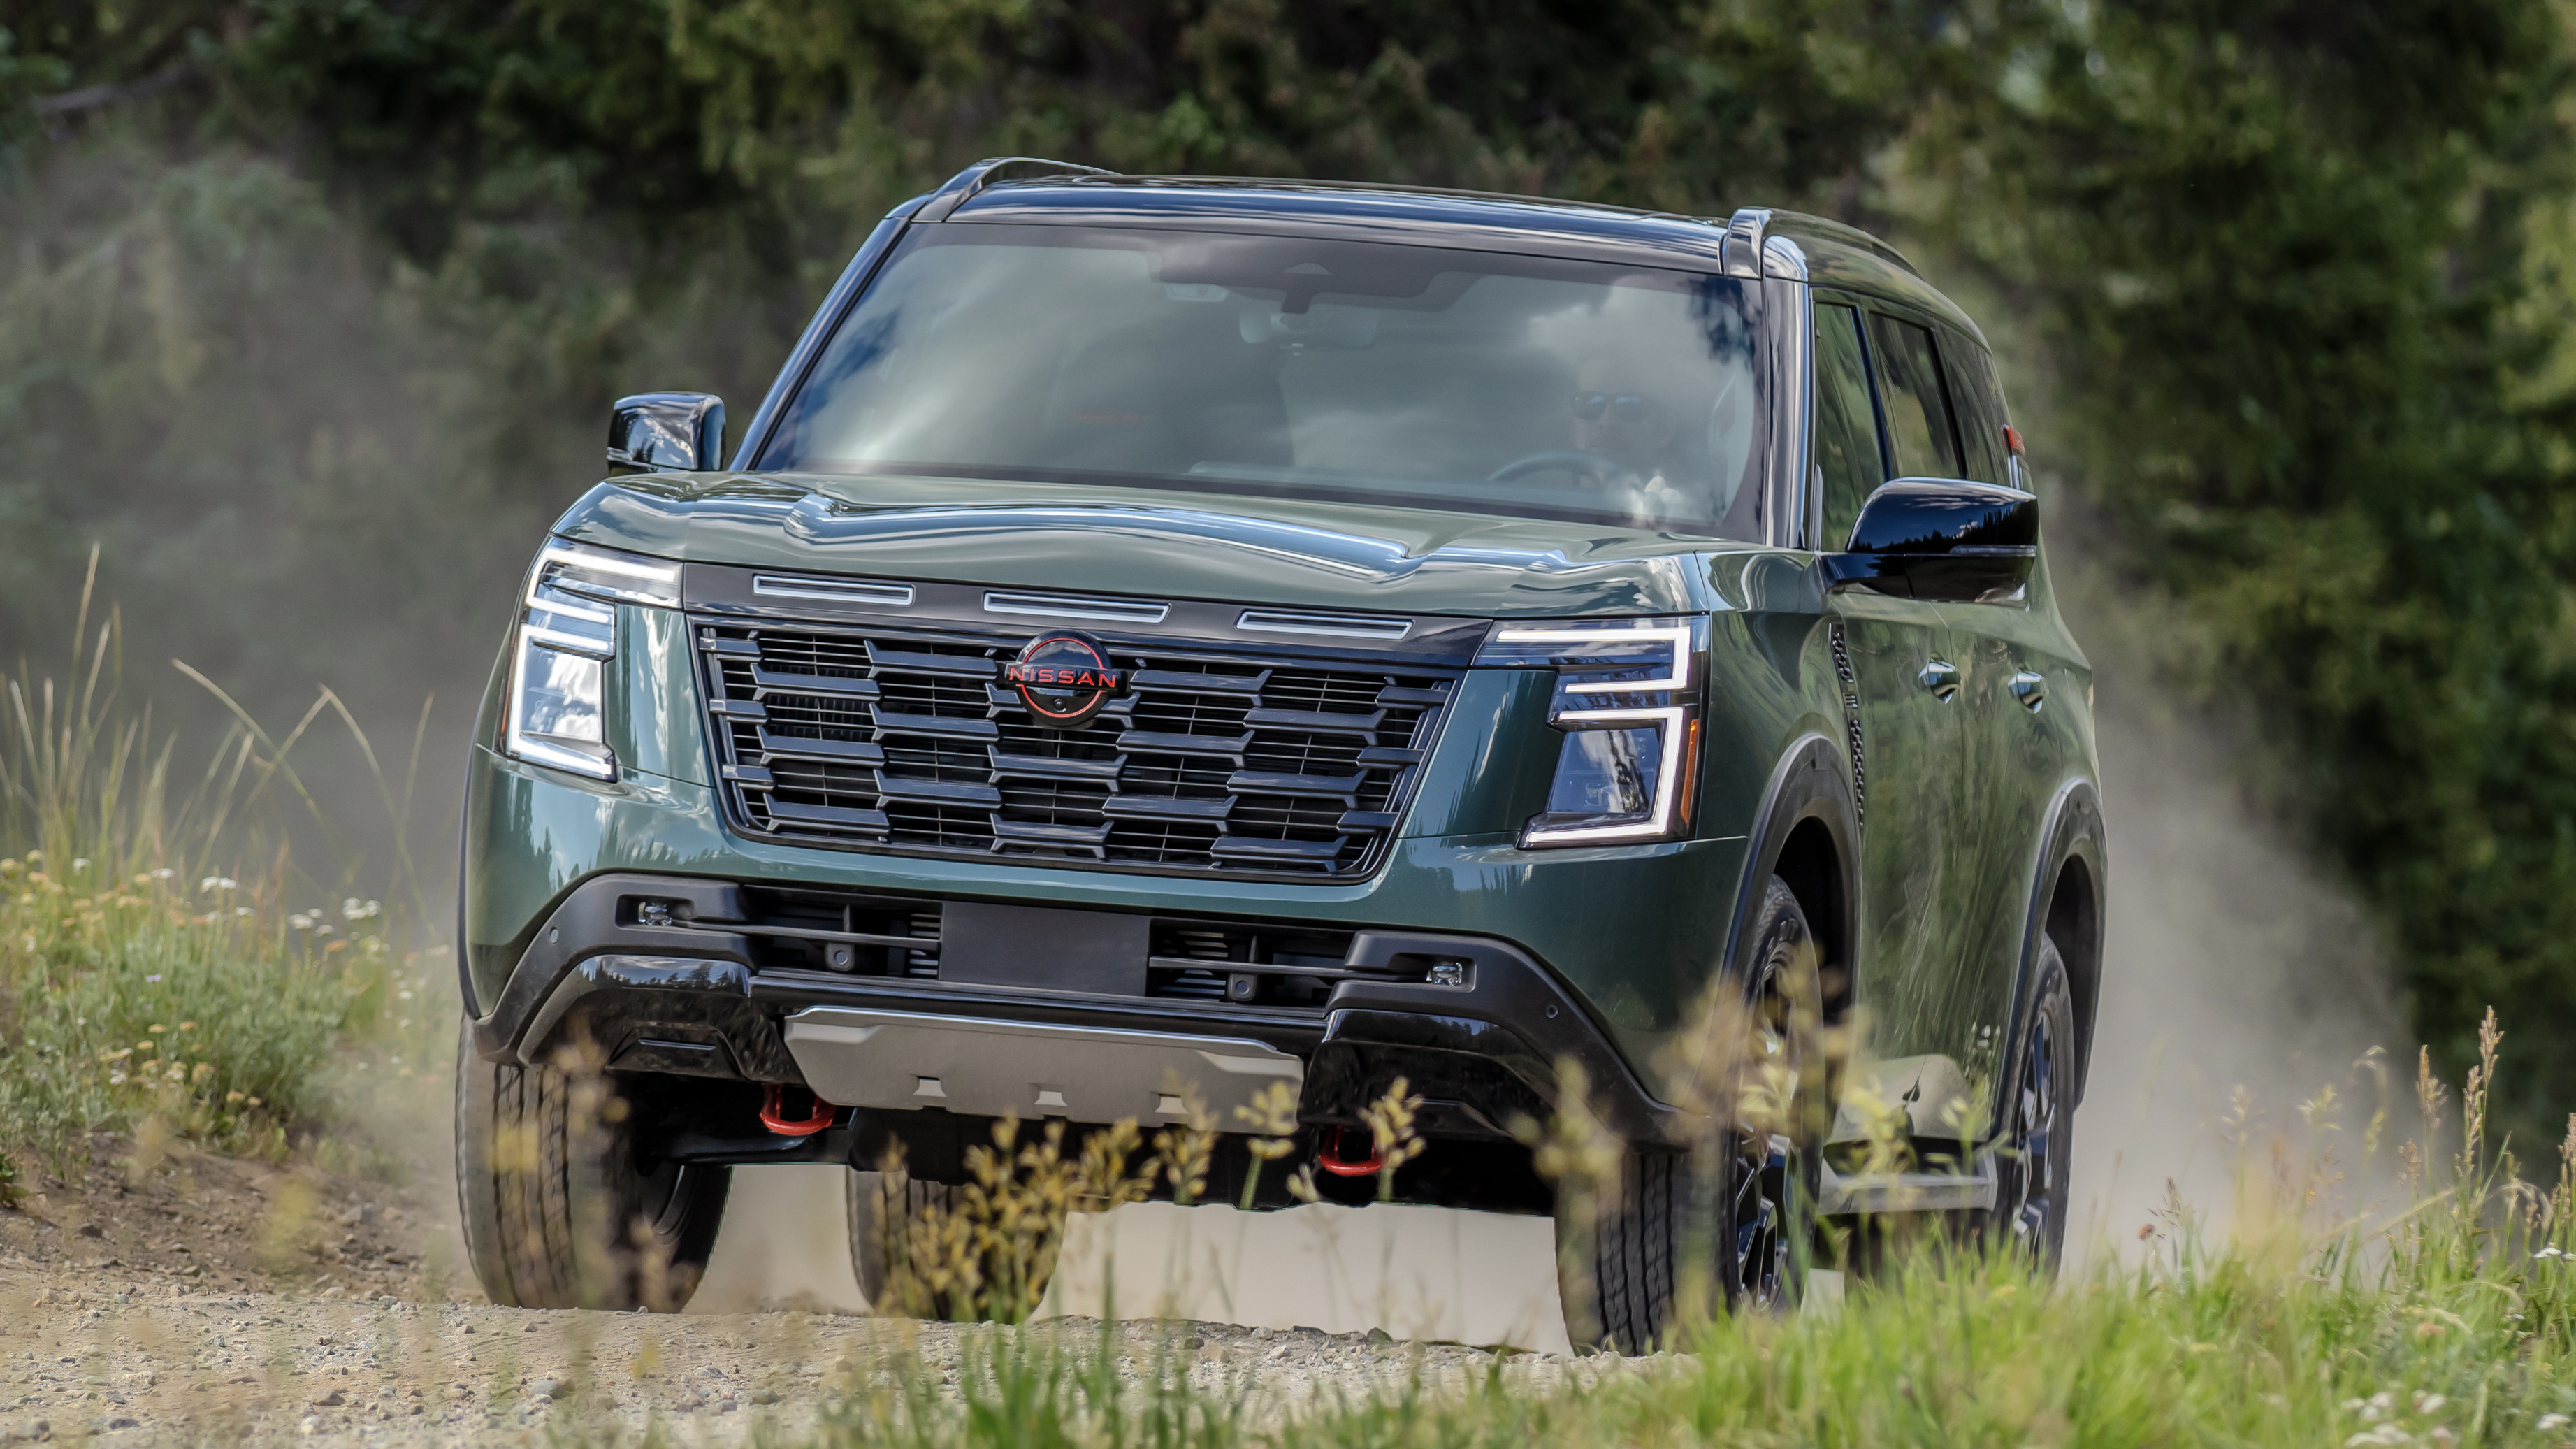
(566, 635)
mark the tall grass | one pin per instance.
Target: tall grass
(154, 964)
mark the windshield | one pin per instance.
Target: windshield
(1285, 366)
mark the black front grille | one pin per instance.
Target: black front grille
(876, 739)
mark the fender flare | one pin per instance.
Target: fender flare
(1808, 783)
(2072, 832)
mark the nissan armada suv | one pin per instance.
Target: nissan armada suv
(1163, 637)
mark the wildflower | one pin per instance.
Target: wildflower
(2429, 1403)
(241, 910)
(2384, 1434)
(354, 909)
(2551, 1421)
(151, 980)
(164, 873)
(217, 883)
(252, 1101)
(2549, 1253)
(402, 995)
(80, 862)
(34, 856)
(232, 1096)
(156, 1028)
(9, 868)
(187, 1026)
(300, 921)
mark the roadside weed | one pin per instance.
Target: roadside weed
(161, 958)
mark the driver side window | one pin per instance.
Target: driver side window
(1848, 458)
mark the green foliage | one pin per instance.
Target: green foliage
(2287, 287)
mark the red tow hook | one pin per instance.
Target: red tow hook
(773, 1114)
(1328, 1155)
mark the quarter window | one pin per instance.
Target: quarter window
(1926, 442)
(1971, 375)
(1847, 451)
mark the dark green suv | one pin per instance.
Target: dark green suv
(1165, 637)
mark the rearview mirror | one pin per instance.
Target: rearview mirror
(655, 432)
(1945, 539)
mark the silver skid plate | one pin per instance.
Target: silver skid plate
(900, 1060)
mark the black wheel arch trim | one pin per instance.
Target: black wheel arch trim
(1808, 784)
(2072, 832)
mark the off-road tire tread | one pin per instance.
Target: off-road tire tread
(524, 1230)
(1638, 1238)
(868, 1258)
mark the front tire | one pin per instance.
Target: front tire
(1751, 1208)
(559, 1212)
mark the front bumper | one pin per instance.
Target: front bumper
(682, 976)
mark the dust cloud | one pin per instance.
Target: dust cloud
(2236, 980)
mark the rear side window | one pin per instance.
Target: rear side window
(1919, 426)
(1980, 398)
(1847, 451)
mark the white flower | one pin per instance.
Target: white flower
(2551, 1421)
(80, 863)
(300, 922)
(402, 995)
(354, 909)
(241, 910)
(151, 980)
(217, 883)
(2384, 1434)
(164, 873)
(2429, 1403)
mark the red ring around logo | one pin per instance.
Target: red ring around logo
(1064, 678)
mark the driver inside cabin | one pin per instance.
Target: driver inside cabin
(1619, 415)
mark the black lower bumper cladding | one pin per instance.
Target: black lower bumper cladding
(690, 983)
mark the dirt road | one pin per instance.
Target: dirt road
(209, 1298)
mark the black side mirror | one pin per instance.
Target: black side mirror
(1945, 539)
(654, 432)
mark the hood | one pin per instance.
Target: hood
(1149, 541)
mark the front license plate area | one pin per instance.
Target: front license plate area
(1039, 948)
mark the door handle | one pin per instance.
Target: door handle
(1941, 677)
(2031, 689)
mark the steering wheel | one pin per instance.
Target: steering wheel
(1571, 460)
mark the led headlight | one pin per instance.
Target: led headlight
(1627, 698)
(558, 660)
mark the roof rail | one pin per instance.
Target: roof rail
(963, 186)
